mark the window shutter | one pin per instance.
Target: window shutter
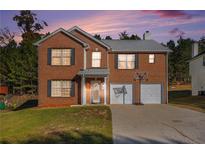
(49, 88)
(49, 56)
(136, 61)
(72, 56)
(72, 92)
(204, 60)
(116, 61)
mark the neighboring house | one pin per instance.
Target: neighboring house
(76, 68)
(197, 71)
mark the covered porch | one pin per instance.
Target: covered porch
(94, 86)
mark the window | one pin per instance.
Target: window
(61, 88)
(126, 61)
(61, 57)
(96, 58)
(151, 58)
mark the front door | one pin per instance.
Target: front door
(95, 91)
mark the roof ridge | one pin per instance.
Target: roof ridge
(89, 35)
(64, 31)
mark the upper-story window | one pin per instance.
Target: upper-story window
(151, 58)
(96, 59)
(61, 56)
(126, 61)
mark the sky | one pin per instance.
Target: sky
(163, 25)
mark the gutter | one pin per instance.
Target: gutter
(167, 75)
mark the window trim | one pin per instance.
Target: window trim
(96, 59)
(126, 62)
(61, 57)
(153, 59)
(70, 95)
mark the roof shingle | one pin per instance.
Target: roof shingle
(136, 45)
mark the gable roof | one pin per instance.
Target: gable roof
(63, 31)
(88, 35)
(136, 45)
(195, 57)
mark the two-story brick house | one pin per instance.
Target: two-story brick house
(76, 68)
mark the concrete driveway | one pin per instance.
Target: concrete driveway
(157, 124)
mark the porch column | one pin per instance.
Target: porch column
(84, 59)
(105, 90)
(83, 90)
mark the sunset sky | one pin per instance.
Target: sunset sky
(163, 25)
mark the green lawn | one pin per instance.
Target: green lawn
(91, 124)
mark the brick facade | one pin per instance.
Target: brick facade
(157, 72)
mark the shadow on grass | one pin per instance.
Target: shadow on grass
(183, 98)
(179, 93)
(77, 137)
(28, 104)
(62, 137)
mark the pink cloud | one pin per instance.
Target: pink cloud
(199, 32)
(108, 21)
(189, 33)
(177, 32)
(170, 13)
(113, 22)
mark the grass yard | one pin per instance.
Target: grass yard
(191, 102)
(181, 97)
(91, 124)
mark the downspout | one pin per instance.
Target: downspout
(85, 57)
(108, 78)
(83, 81)
(167, 76)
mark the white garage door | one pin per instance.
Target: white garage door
(151, 93)
(118, 97)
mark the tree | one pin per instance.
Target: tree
(135, 37)
(202, 44)
(97, 36)
(124, 35)
(29, 25)
(19, 63)
(9, 53)
(6, 37)
(184, 47)
(7, 44)
(108, 37)
(178, 60)
(173, 59)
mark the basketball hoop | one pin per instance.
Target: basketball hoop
(141, 76)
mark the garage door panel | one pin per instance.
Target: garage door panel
(118, 98)
(151, 93)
